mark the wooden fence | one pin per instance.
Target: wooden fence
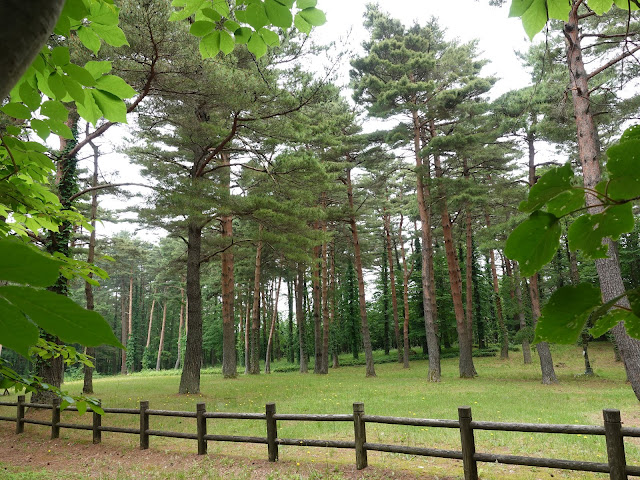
(612, 429)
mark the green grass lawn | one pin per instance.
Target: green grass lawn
(506, 390)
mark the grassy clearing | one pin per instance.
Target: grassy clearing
(505, 391)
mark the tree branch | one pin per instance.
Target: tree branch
(103, 186)
(612, 62)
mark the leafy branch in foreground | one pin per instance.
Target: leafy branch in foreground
(534, 242)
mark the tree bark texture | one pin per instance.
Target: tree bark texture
(405, 297)
(504, 344)
(526, 347)
(247, 335)
(272, 327)
(392, 279)
(180, 325)
(317, 307)
(190, 378)
(300, 317)
(428, 284)
(162, 330)
(254, 357)
(468, 258)
(609, 273)
(229, 354)
(466, 367)
(366, 337)
(325, 303)
(544, 353)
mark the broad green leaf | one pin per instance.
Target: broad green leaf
(61, 316)
(256, 16)
(279, 15)
(82, 407)
(534, 242)
(608, 321)
(89, 110)
(17, 110)
(301, 24)
(559, 9)
(97, 69)
(57, 86)
(96, 408)
(624, 173)
(111, 34)
(302, 4)
(624, 4)
(270, 38)
(111, 106)
(550, 185)
(567, 202)
(59, 128)
(201, 28)
(76, 9)
(210, 44)
(60, 56)
(89, 38)
(16, 331)
(600, 6)
(74, 89)
(54, 110)
(256, 45)
(313, 16)
(190, 7)
(519, 7)
(41, 128)
(588, 231)
(24, 264)
(631, 133)
(242, 35)
(222, 7)
(535, 18)
(115, 85)
(231, 25)
(227, 44)
(79, 74)
(632, 325)
(566, 312)
(30, 96)
(104, 13)
(634, 301)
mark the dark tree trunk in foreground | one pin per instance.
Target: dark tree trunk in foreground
(300, 317)
(190, 378)
(366, 337)
(392, 279)
(468, 258)
(589, 153)
(546, 362)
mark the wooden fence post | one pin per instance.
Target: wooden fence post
(201, 423)
(272, 432)
(55, 418)
(20, 415)
(144, 425)
(468, 444)
(360, 435)
(97, 423)
(615, 445)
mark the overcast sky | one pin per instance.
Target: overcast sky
(499, 37)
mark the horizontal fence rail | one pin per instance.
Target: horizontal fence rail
(612, 430)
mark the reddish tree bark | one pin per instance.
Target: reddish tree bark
(392, 279)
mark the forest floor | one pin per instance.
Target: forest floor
(505, 390)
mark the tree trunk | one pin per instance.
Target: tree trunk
(526, 347)
(300, 318)
(229, 354)
(123, 332)
(177, 365)
(153, 304)
(332, 300)
(190, 378)
(130, 322)
(325, 302)
(469, 258)
(274, 319)
(428, 287)
(162, 329)
(405, 297)
(366, 338)
(589, 153)
(254, 357)
(247, 335)
(317, 307)
(87, 387)
(504, 349)
(392, 279)
(466, 367)
(546, 362)
(291, 352)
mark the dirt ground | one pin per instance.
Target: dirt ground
(64, 458)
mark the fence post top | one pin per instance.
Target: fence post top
(270, 407)
(200, 407)
(21, 398)
(358, 407)
(56, 401)
(144, 403)
(464, 409)
(611, 415)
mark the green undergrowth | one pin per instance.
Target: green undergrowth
(505, 390)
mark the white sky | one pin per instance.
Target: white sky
(499, 37)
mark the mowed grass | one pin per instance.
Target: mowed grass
(505, 390)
